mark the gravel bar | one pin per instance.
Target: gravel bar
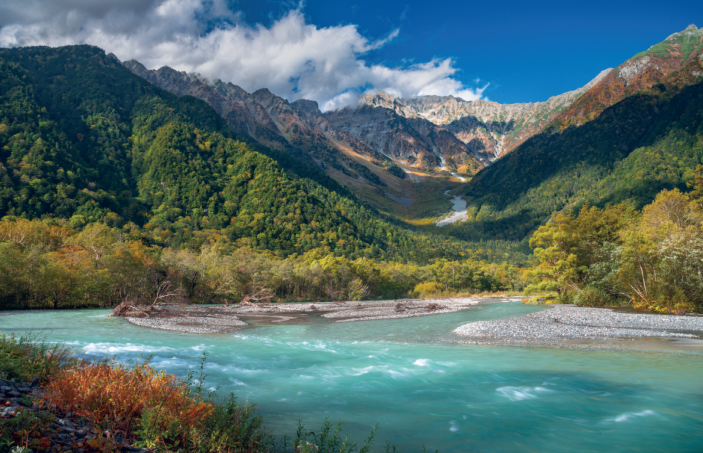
(192, 324)
(400, 308)
(225, 318)
(560, 324)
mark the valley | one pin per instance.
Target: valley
(467, 274)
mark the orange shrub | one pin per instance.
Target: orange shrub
(118, 395)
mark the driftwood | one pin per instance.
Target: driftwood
(164, 294)
(261, 297)
(132, 310)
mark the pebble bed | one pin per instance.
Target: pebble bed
(208, 324)
(560, 324)
(224, 319)
(68, 432)
(401, 308)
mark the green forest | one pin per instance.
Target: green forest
(46, 265)
(651, 259)
(91, 152)
(113, 190)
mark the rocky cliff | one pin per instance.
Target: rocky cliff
(486, 128)
(428, 133)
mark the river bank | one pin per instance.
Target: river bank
(458, 212)
(571, 326)
(224, 319)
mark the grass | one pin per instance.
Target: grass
(144, 405)
(29, 357)
(430, 203)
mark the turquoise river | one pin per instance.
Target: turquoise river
(422, 388)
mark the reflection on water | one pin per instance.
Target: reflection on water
(411, 377)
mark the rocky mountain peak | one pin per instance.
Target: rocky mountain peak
(489, 129)
(306, 106)
(690, 31)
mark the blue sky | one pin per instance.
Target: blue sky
(528, 51)
(334, 52)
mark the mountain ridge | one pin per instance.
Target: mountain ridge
(483, 124)
(84, 140)
(632, 145)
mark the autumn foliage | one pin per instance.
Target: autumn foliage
(122, 395)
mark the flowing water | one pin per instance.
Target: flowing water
(422, 388)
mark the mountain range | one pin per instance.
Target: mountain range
(637, 131)
(86, 137)
(427, 133)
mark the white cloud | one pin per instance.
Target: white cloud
(291, 58)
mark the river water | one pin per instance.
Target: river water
(421, 387)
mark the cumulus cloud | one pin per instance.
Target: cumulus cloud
(291, 58)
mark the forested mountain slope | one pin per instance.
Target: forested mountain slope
(648, 141)
(84, 139)
(297, 128)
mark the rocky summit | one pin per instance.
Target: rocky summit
(487, 129)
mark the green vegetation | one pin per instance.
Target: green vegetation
(28, 357)
(687, 42)
(651, 260)
(634, 149)
(115, 191)
(394, 169)
(83, 139)
(46, 265)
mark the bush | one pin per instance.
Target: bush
(148, 407)
(591, 296)
(29, 357)
(427, 289)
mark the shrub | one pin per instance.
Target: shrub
(29, 357)
(591, 296)
(128, 396)
(148, 407)
(426, 289)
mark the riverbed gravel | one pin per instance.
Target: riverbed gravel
(563, 324)
(226, 318)
(400, 308)
(209, 324)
